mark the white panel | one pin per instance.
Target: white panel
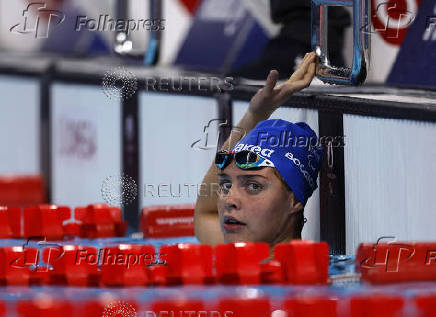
(311, 229)
(169, 126)
(86, 140)
(390, 181)
(19, 125)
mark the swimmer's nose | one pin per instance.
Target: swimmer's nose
(231, 200)
(230, 206)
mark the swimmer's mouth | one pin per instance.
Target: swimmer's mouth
(233, 221)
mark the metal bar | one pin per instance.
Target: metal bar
(331, 74)
(225, 114)
(45, 144)
(130, 157)
(332, 182)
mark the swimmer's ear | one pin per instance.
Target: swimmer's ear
(294, 204)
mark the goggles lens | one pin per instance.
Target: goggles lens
(243, 159)
(222, 159)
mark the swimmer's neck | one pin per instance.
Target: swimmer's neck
(284, 240)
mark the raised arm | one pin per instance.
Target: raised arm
(262, 105)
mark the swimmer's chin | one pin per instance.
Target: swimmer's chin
(235, 237)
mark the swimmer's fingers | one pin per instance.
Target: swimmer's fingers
(300, 79)
(270, 97)
(262, 104)
(271, 82)
(301, 71)
(306, 77)
(287, 90)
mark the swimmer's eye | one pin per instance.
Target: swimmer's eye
(254, 188)
(225, 187)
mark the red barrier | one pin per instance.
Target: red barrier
(15, 263)
(44, 221)
(21, 190)
(54, 222)
(240, 263)
(426, 305)
(397, 262)
(44, 306)
(188, 263)
(76, 266)
(158, 275)
(311, 306)
(376, 305)
(245, 307)
(107, 306)
(126, 265)
(10, 222)
(178, 307)
(71, 228)
(167, 221)
(100, 221)
(272, 272)
(303, 262)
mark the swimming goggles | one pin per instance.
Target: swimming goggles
(243, 159)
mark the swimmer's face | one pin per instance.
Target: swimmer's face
(254, 205)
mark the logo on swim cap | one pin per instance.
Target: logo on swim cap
(253, 148)
(298, 164)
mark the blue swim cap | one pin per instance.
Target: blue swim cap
(294, 150)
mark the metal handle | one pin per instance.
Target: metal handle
(123, 43)
(355, 75)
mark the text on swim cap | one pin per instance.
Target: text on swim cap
(297, 163)
(253, 148)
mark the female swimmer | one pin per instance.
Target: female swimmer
(265, 174)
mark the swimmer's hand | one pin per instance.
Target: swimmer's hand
(270, 97)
